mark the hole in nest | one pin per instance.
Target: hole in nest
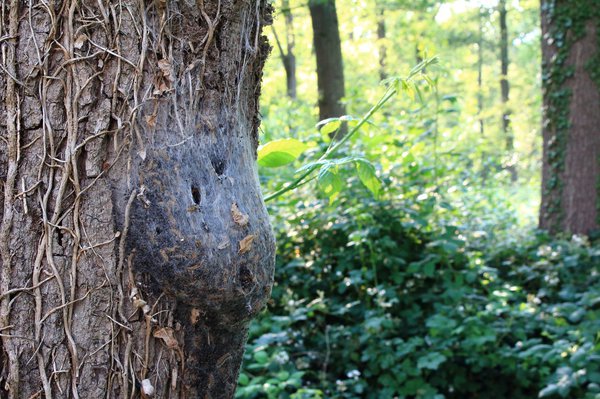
(196, 195)
(246, 279)
(158, 230)
(218, 165)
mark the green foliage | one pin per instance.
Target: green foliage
(448, 29)
(366, 174)
(280, 152)
(382, 299)
(428, 292)
(409, 273)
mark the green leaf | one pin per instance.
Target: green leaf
(330, 126)
(366, 174)
(280, 152)
(440, 323)
(261, 357)
(409, 88)
(329, 182)
(243, 380)
(429, 269)
(283, 375)
(548, 391)
(431, 361)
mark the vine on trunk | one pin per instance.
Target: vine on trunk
(89, 88)
(567, 21)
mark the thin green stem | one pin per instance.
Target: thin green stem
(298, 181)
(389, 93)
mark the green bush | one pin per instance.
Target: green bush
(373, 300)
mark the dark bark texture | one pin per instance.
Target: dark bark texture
(571, 131)
(135, 244)
(328, 51)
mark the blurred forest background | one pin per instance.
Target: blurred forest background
(413, 266)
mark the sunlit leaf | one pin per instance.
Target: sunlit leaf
(428, 80)
(331, 127)
(280, 152)
(330, 182)
(366, 174)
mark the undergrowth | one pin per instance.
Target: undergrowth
(410, 298)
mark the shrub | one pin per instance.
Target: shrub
(372, 301)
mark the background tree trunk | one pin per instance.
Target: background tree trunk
(485, 161)
(380, 11)
(135, 245)
(288, 58)
(505, 90)
(480, 73)
(328, 51)
(571, 124)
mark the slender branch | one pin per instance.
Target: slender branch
(281, 52)
(391, 91)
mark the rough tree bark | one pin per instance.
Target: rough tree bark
(135, 244)
(328, 51)
(571, 122)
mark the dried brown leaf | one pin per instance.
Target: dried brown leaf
(166, 334)
(239, 218)
(151, 120)
(80, 41)
(138, 303)
(246, 243)
(165, 68)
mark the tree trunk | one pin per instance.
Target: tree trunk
(571, 128)
(505, 89)
(380, 10)
(135, 245)
(328, 50)
(485, 162)
(288, 58)
(480, 73)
